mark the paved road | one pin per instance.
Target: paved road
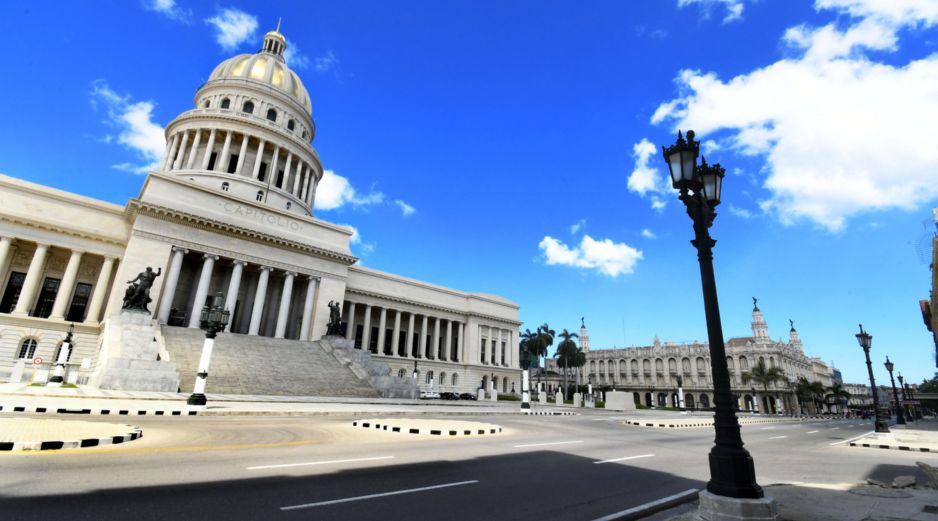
(301, 468)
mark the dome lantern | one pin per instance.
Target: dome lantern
(275, 43)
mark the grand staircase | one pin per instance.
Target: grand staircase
(243, 364)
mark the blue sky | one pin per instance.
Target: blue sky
(514, 147)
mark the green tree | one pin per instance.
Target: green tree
(839, 394)
(545, 339)
(566, 354)
(763, 376)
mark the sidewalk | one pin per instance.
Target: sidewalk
(918, 436)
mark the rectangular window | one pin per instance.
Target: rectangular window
(503, 353)
(233, 163)
(76, 312)
(50, 287)
(359, 331)
(416, 349)
(373, 340)
(211, 160)
(12, 293)
(279, 181)
(388, 340)
(262, 172)
(402, 343)
(430, 354)
(483, 350)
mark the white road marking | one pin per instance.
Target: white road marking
(853, 438)
(546, 444)
(317, 463)
(676, 498)
(383, 494)
(777, 437)
(766, 428)
(812, 432)
(623, 459)
(835, 428)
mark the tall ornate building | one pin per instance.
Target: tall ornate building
(229, 211)
(652, 372)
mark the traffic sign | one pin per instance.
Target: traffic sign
(37, 360)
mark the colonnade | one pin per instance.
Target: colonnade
(184, 149)
(444, 342)
(29, 290)
(258, 305)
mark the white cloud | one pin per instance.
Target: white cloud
(734, 8)
(169, 9)
(609, 258)
(406, 209)
(136, 129)
(645, 179)
(840, 133)
(359, 248)
(335, 191)
(577, 226)
(740, 212)
(326, 62)
(294, 58)
(648, 234)
(233, 27)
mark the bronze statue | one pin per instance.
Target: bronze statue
(137, 295)
(755, 303)
(335, 319)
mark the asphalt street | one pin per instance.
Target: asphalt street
(540, 467)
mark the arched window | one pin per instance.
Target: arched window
(291, 125)
(400, 374)
(305, 134)
(289, 204)
(442, 378)
(248, 107)
(225, 103)
(224, 187)
(272, 114)
(28, 348)
(455, 378)
(260, 195)
(206, 104)
(429, 377)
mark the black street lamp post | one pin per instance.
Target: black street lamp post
(900, 418)
(905, 397)
(526, 363)
(866, 340)
(213, 320)
(732, 473)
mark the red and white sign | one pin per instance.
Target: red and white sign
(37, 360)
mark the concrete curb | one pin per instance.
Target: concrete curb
(432, 432)
(652, 507)
(137, 433)
(671, 424)
(891, 447)
(102, 412)
(549, 413)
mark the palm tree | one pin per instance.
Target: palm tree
(764, 376)
(839, 394)
(545, 339)
(566, 354)
(803, 391)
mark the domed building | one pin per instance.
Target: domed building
(228, 219)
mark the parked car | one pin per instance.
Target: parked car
(449, 396)
(429, 395)
(467, 396)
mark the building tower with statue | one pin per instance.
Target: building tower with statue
(230, 211)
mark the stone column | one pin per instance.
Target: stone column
(396, 338)
(208, 149)
(305, 185)
(201, 291)
(6, 246)
(258, 160)
(169, 287)
(297, 178)
(273, 165)
(170, 152)
(242, 153)
(99, 291)
(382, 324)
(308, 309)
(33, 278)
(260, 296)
(448, 344)
(423, 338)
(234, 284)
(177, 164)
(435, 348)
(409, 340)
(286, 171)
(222, 163)
(195, 149)
(64, 294)
(350, 322)
(283, 312)
(366, 328)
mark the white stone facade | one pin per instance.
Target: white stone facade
(230, 212)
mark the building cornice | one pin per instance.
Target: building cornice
(421, 305)
(426, 285)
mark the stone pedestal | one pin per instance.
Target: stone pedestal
(721, 508)
(577, 400)
(620, 402)
(129, 358)
(558, 398)
(18, 368)
(542, 397)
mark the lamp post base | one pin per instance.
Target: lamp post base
(722, 508)
(881, 426)
(525, 405)
(197, 399)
